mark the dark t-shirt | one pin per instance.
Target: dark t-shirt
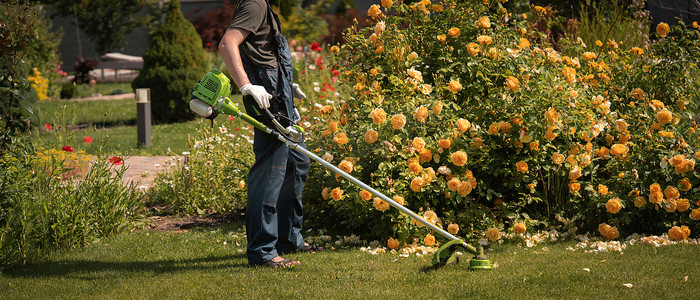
(258, 47)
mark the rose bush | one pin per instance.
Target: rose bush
(463, 109)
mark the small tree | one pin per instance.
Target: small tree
(172, 64)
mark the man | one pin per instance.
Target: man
(258, 58)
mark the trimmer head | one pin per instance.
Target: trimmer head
(447, 254)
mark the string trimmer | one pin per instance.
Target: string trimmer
(211, 97)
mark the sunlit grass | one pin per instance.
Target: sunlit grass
(211, 263)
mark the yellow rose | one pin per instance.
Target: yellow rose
(618, 149)
(371, 136)
(639, 202)
(589, 55)
(453, 228)
(459, 158)
(473, 48)
(557, 158)
(335, 49)
(437, 107)
(429, 240)
(453, 184)
(637, 50)
(519, 228)
(378, 116)
(664, 116)
(380, 205)
(637, 93)
(521, 166)
(465, 188)
(484, 22)
(552, 116)
(417, 184)
(398, 121)
(340, 139)
(493, 234)
(575, 173)
(684, 185)
(392, 243)
(415, 167)
(682, 204)
(336, 194)
(671, 192)
(365, 195)
(398, 199)
(602, 189)
(613, 205)
(379, 50)
(454, 32)
(550, 135)
(695, 214)
(421, 114)
(325, 193)
(612, 233)
(484, 40)
(463, 125)
(454, 86)
(345, 166)
(662, 29)
(512, 84)
(387, 3)
(441, 38)
(675, 232)
(374, 11)
(379, 27)
(425, 154)
(656, 197)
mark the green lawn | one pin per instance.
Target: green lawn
(112, 126)
(197, 264)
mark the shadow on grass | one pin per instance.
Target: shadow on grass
(94, 270)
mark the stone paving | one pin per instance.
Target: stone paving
(142, 170)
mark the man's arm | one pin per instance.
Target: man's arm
(228, 47)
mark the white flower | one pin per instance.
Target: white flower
(186, 153)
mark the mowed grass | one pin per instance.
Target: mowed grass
(211, 263)
(112, 126)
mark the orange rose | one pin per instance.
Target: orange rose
(682, 204)
(453, 228)
(618, 149)
(639, 202)
(465, 188)
(463, 125)
(574, 186)
(371, 136)
(340, 139)
(374, 11)
(459, 158)
(613, 205)
(336, 194)
(378, 116)
(519, 228)
(365, 195)
(392, 243)
(417, 183)
(398, 199)
(398, 121)
(421, 114)
(415, 167)
(637, 93)
(493, 234)
(484, 22)
(685, 185)
(675, 233)
(484, 40)
(671, 192)
(453, 184)
(346, 166)
(429, 240)
(512, 84)
(521, 166)
(454, 86)
(662, 29)
(656, 197)
(695, 214)
(437, 107)
(664, 116)
(557, 158)
(325, 193)
(418, 143)
(454, 32)
(445, 144)
(380, 205)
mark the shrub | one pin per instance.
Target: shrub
(463, 110)
(173, 62)
(212, 177)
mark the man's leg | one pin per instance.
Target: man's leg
(290, 208)
(265, 179)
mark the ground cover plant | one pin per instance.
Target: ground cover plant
(466, 113)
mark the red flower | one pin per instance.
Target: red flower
(315, 46)
(47, 126)
(68, 148)
(87, 139)
(231, 118)
(335, 72)
(208, 45)
(115, 160)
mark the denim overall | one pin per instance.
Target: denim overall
(276, 180)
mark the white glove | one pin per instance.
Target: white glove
(261, 96)
(297, 92)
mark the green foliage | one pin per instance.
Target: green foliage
(43, 53)
(174, 61)
(627, 25)
(304, 24)
(43, 209)
(486, 124)
(212, 177)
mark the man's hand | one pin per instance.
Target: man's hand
(261, 96)
(297, 92)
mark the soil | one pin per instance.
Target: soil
(182, 224)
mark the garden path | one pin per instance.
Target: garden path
(142, 170)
